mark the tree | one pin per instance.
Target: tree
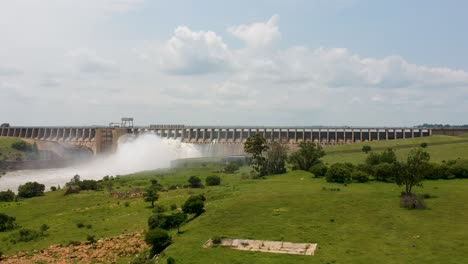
(366, 148)
(412, 172)
(255, 146)
(359, 176)
(158, 239)
(388, 156)
(7, 196)
(195, 182)
(31, 189)
(213, 180)
(276, 158)
(176, 220)
(151, 194)
(307, 156)
(373, 159)
(194, 205)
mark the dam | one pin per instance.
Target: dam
(103, 139)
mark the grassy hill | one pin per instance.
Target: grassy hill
(361, 223)
(439, 147)
(5, 147)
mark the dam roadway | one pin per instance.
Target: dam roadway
(102, 139)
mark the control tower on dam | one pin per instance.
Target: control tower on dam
(104, 139)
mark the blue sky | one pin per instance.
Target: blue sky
(298, 62)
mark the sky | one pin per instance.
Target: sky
(264, 62)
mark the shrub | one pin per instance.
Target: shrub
(339, 172)
(173, 206)
(159, 208)
(158, 239)
(359, 176)
(7, 196)
(6, 222)
(91, 239)
(22, 146)
(319, 169)
(231, 167)
(80, 225)
(216, 240)
(89, 185)
(411, 201)
(31, 189)
(195, 182)
(126, 203)
(71, 190)
(53, 188)
(423, 145)
(366, 148)
(213, 180)
(170, 260)
(194, 205)
(384, 172)
(24, 235)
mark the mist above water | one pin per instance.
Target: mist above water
(134, 154)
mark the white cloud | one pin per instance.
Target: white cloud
(194, 52)
(258, 35)
(90, 62)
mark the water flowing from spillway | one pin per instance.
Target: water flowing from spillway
(144, 152)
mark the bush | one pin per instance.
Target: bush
(231, 167)
(158, 239)
(156, 220)
(6, 222)
(22, 146)
(173, 206)
(339, 172)
(159, 208)
(423, 145)
(195, 182)
(91, 185)
(384, 172)
(170, 260)
(216, 240)
(319, 169)
(194, 205)
(359, 176)
(53, 188)
(366, 148)
(7, 196)
(31, 189)
(213, 180)
(80, 225)
(71, 190)
(24, 235)
(411, 201)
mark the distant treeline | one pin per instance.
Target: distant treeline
(441, 126)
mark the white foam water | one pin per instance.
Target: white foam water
(134, 154)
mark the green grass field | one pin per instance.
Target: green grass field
(439, 147)
(361, 223)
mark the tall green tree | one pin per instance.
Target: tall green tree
(256, 146)
(306, 156)
(277, 155)
(412, 172)
(151, 194)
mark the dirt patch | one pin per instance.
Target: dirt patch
(107, 250)
(266, 246)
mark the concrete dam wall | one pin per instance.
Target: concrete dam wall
(217, 140)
